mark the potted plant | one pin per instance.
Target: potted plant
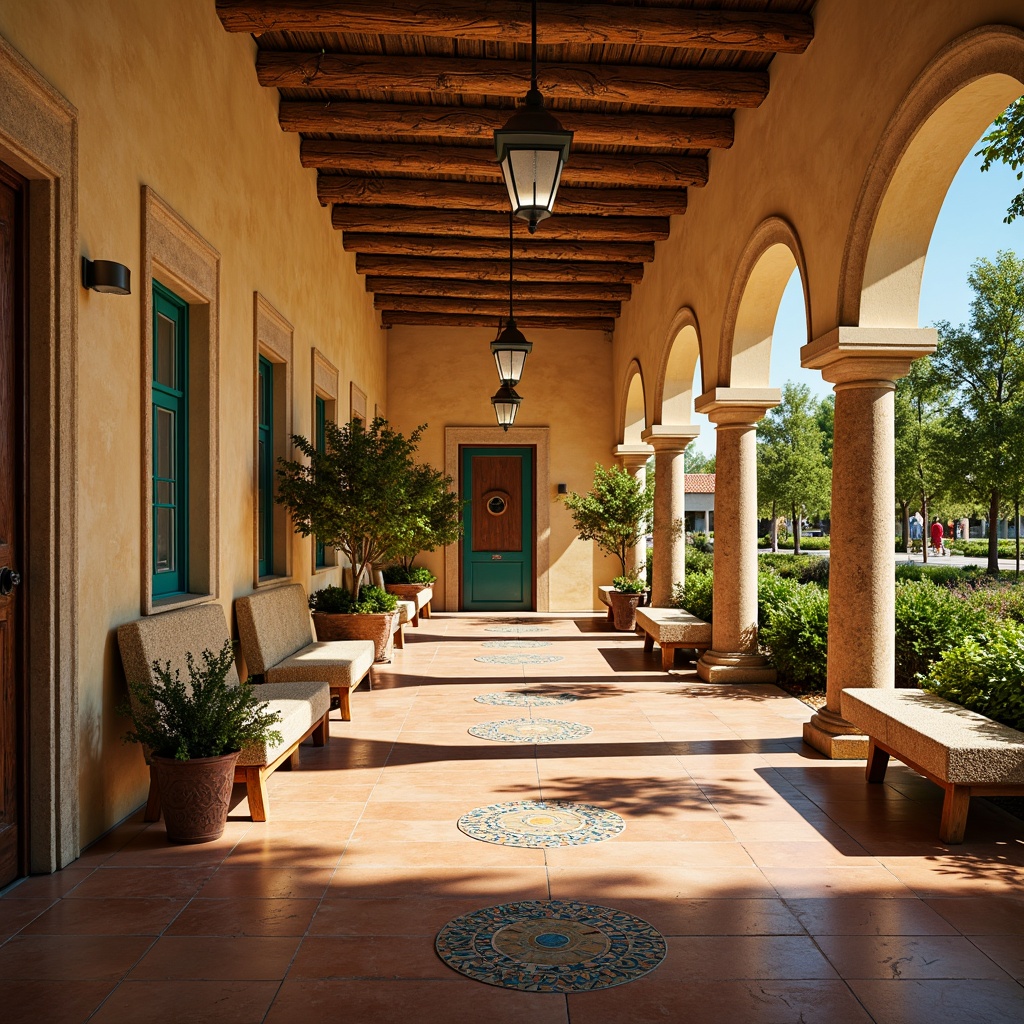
(339, 615)
(193, 734)
(625, 598)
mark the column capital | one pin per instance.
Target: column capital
(670, 438)
(728, 406)
(850, 354)
(633, 454)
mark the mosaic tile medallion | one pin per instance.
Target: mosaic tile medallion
(516, 629)
(538, 824)
(518, 644)
(518, 699)
(530, 730)
(519, 659)
(551, 946)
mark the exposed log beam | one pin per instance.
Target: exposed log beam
(460, 195)
(509, 21)
(645, 131)
(450, 76)
(392, 317)
(489, 307)
(497, 270)
(467, 223)
(492, 249)
(428, 160)
(522, 290)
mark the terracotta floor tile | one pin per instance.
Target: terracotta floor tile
(639, 882)
(866, 916)
(156, 883)
(51, 1002)
(895, 957)
(391, 957)
(240, 916)
(267, 883)
(715, 917)
(459, 851)
(624, 853)
(217, 958)
(112, 916)
(194, 1002)
(810, 881)
(1005, 950)
(925, 1002)
(16, 914)
(406, 915)
(735, 957)
(979, 915)
(488, 884)
(49, 886)
(71, 957)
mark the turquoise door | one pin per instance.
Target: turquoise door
(497, 540)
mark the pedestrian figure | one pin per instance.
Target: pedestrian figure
(915, 534)
(937, 546)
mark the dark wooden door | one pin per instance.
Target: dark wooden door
(498, 542)
(12, 740)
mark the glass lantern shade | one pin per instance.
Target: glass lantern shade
(532, 148)
(510, 350)
(506, 405)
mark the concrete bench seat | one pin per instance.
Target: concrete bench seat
(304, 704)
(672, 629)
(276, 632)
(965, 753)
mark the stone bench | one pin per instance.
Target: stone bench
(965, 753)
(276, 632)
(672, 629)
(304, 704)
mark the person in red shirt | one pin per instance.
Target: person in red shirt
(936, 533)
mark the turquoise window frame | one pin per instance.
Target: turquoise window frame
(170, 491)
(321, 444)
(265, 472)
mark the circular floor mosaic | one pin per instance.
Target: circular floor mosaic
(518, 659)
(551, 946)
(526, 700)
(538, 824)
(530, 730)
(520, 644)
(516, 629)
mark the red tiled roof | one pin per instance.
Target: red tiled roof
(700, 483)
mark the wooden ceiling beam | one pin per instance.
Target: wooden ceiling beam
(428, 160)
(459, 195)
(493, 249)
(451, 76)
(644, 131)
(495, 307)
(497, 270)
(522, 291)
(394, 317)
(509, 21)
(469, 223)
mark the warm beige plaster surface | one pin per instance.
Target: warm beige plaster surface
(445, 378)
(166, 98)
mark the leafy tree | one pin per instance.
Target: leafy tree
(435, 515)
(1005, 142)
(792, 471)
(826, 420)
(983, 363)
(696, 461)
(615, 514)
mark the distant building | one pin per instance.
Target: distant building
(700, 502)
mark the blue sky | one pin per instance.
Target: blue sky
(970, 225)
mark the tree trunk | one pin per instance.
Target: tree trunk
(1016, 531)
(905, 506)
(993, 533)
(796, 530)
(926, 533)
(775, 530)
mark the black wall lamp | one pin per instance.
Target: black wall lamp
(563, 488)
(106, 276)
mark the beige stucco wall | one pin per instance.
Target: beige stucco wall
(445, 378)
(168, 99)
(803, 156)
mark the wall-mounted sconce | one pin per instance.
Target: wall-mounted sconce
(563, 488)
(106, 276)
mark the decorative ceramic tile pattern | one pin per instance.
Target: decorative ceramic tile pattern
(516, 629)
(551, 946)
(536, 824)
(519, 699)
(530, 730)
(516, 643)
(518, 659)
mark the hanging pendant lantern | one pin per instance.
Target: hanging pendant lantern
(510, 348)
(506, 405)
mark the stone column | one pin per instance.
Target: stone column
(863, 364)
(734, 657)
(669, 557)
(633, 459)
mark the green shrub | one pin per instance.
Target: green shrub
(804, 568)
(407, 574)
(701, 542)
(339, 601)
(1000, 598)
(929, 620)
(695, 595)
(985, 674)
(787, 544)
(794, 631)
(772, 590)
(979, 548)
(629, 584)
(698, 560)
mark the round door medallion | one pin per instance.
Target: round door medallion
(496, 503)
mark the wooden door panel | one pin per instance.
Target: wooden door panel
(497, 503)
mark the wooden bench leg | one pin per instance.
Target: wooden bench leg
(400, 637)
(668, 657)
(648, 642)
(153, 802)
(954, 814)
(426, 610)
(256, 791)
(321, 733)
(346, 707)
(878, 761)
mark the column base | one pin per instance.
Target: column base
(716, 667)
(845, 747)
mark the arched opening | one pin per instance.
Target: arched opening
(634, 406)
(674, 396)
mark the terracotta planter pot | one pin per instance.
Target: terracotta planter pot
(195, 795)
(405, 591)
(377, 627)
(624, 608)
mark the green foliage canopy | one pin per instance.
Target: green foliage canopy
(1005, 142)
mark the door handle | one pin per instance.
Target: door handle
(9, 579)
